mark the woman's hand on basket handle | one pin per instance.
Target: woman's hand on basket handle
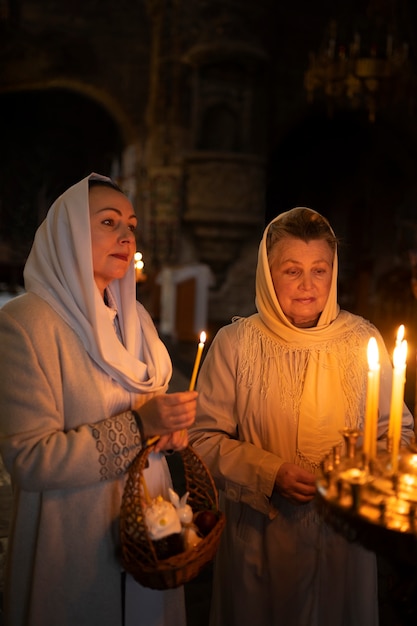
(167, 415)
(175, 441)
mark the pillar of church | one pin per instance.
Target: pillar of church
(225, 169)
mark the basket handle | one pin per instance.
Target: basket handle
(142, 460)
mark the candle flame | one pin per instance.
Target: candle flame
(400, 334)
(400, 354)
(203, 337)
(373, 354)
(139, 264)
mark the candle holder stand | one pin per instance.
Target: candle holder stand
(368, 502)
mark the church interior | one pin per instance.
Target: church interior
(214, 116)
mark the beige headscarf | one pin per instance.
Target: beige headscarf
(325, 402)
(60, 270)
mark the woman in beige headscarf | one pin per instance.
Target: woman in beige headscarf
(275, 390)
(84, 376)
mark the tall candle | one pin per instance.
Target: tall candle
(397, 397)
(197, 360)
(372, 400)
(399, 339)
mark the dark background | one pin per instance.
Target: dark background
(74, 88)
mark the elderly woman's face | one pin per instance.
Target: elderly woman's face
(301, 273)
(113, 224)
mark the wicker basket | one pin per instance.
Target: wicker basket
(138, 552)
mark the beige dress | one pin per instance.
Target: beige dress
(71, 373)
(278, 563)
(67, 437)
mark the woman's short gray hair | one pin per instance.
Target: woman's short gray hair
(300, 223)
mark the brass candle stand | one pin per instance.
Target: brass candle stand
(366, 501)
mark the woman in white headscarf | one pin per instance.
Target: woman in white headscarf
(275, 390)
(83, 383)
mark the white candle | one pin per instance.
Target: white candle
(197, 360)
(372, 400)
(397, 396)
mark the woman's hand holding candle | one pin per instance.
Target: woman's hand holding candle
(162, 413)
(165, 414)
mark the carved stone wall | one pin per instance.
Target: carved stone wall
(205, 171)
(188, 104)
(225, 205)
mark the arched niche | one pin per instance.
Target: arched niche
(53, 134)
(220, 129)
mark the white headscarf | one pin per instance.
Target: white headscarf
(324, 403)
(60, 270)
(267, 302)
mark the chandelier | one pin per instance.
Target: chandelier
(363, 63)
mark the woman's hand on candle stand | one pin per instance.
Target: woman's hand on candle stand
(295, 483)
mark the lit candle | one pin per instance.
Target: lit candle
(397, 396)
(400, 335)
(197, 360)
(372, 400)
(139, 265)
(398, 341)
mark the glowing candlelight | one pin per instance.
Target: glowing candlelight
(400, 335)
(397, 396)
(139, 265)
(372, 400)
(197, 360)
